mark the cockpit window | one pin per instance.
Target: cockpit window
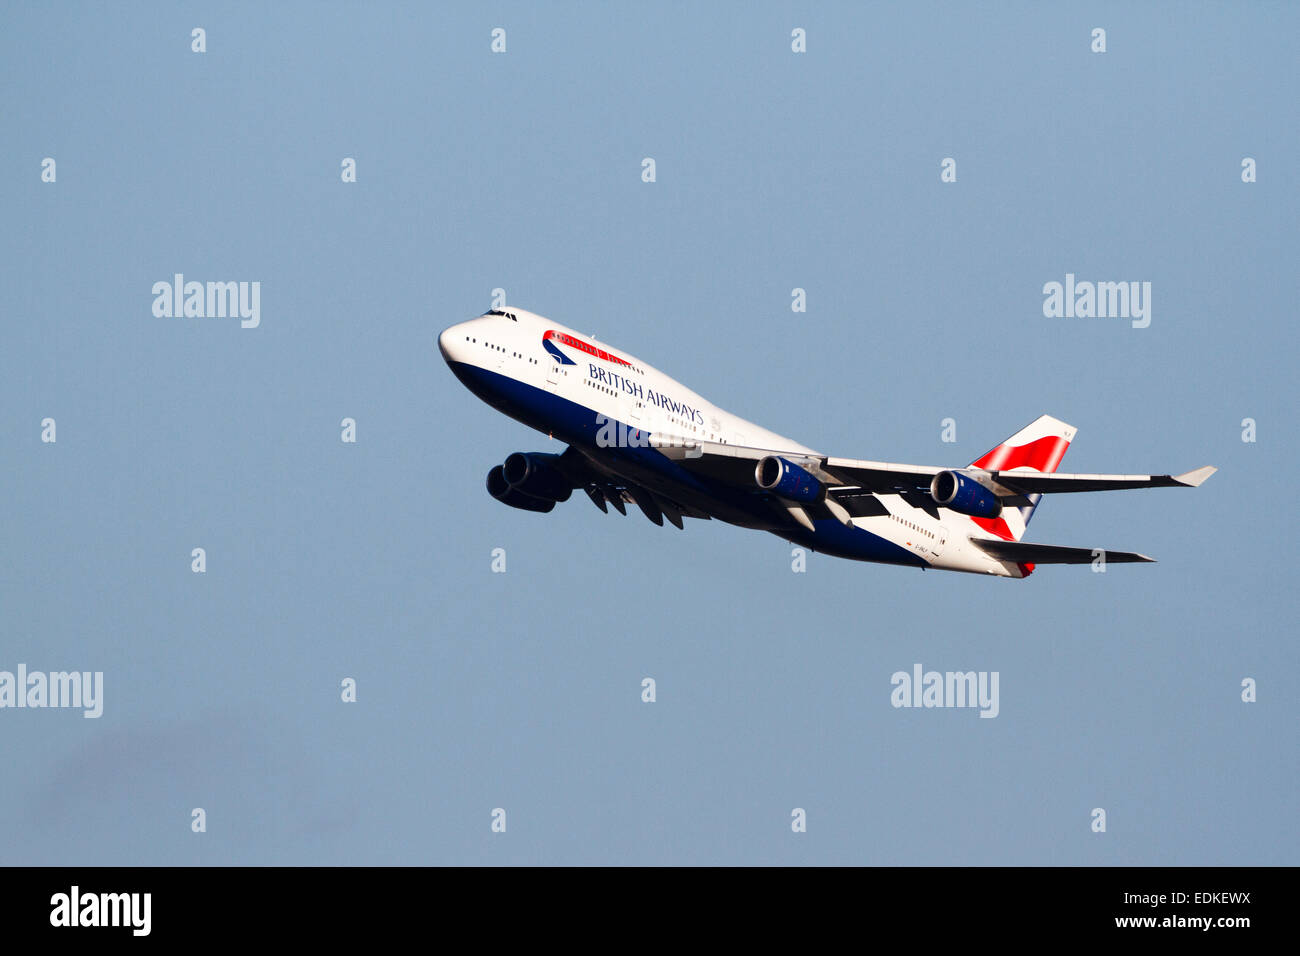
(508, 315)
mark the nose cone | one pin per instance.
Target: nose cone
(452, 341)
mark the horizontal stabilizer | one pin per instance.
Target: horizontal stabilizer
(1023, 552)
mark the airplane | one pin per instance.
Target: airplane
(636, 436)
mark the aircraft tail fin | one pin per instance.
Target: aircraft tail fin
(1039, 446)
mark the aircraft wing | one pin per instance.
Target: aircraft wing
(736, 463)
(719, 460)
(1039, 482)
(604, 489)
(887, 476)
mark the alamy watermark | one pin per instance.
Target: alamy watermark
(611, 433)
(84, 689)
(212, 300)
(76, 908)
(1102, 300)
(922, 688)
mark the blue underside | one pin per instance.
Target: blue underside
(577, 425)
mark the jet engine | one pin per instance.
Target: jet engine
(501, 490)
(965, 495)
(787, 480)
(536, 474)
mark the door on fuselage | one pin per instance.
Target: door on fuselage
(630, 415)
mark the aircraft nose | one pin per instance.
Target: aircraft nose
(450, 339)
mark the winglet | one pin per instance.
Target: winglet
(1193, 479)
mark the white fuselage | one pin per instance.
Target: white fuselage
(609, 382)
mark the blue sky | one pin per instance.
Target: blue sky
(522, 170)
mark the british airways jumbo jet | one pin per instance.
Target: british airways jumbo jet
(636, 436)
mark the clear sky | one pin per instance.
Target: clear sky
(522, 170)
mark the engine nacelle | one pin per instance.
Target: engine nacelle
(535, 474)
(965, 495)
(500, 489)
(787, 480)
